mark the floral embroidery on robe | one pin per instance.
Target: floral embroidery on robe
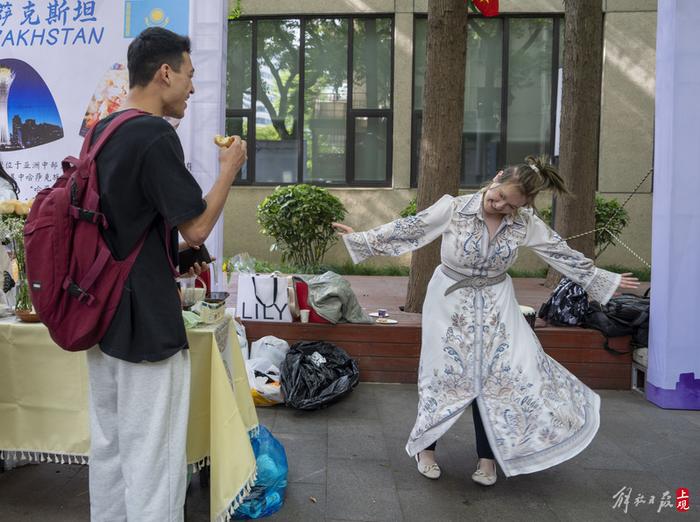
(476, 345)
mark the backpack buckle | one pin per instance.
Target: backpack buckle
(81, 295)
(91, 216)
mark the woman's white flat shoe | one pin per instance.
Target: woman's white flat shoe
(483, 478)
(431, 471)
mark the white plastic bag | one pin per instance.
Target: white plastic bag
(264, 382)
(242, 339)
(271, 349)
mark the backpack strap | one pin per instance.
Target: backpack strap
(112, 126)
(88, 152)
(614, 351)
(81, 290)
(168, 250)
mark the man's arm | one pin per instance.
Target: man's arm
(231, 159)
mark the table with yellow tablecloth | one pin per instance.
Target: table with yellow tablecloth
(44, 405)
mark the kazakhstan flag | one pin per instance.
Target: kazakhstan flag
(173, 15)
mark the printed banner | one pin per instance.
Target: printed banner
(62, 68)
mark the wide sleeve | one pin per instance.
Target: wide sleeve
(548, 245)
(402, 235)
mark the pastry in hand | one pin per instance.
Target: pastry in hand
(223, 141)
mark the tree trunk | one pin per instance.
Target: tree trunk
(441, 143)
(580, 124)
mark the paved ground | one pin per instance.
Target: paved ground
(350, 458)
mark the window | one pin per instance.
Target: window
(509, 91)
(313, 97)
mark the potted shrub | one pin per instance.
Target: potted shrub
(299, 219)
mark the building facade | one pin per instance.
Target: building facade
(331, 93)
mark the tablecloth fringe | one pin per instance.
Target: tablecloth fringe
(197, 466)
(42, 456)
(239, 499)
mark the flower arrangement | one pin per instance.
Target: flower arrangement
(13, 215)
(238, 263)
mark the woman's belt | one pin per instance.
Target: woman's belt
(470, 281)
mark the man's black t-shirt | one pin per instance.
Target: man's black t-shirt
(144, 188)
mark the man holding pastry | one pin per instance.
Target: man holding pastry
(139, 372)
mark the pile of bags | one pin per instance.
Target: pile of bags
(625, 314)
(266, 357)
(307, 376)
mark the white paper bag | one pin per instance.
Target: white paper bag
(263, 297)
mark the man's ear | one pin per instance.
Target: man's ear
(498, 176)
(163, 73)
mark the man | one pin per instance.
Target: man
(139, 373)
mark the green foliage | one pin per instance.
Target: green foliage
(410, 209)
(348, 268)
(539, 273)
(235, 12)
(299, 218)
(643, 274)
(608, 213)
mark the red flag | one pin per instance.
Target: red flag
(487, 7)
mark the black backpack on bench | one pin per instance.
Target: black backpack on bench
(627, 314)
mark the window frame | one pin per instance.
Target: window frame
(417, 114)
(351, 113)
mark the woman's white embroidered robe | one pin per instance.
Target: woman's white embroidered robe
(476, 344)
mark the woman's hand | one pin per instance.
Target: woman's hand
(628, 281)
(342, 229)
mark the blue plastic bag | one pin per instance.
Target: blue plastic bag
(267, 495)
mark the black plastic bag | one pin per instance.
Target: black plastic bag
(316, 373)
(567, 306)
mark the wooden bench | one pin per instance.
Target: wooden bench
(390, 354)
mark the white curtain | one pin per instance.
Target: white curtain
(673, 379)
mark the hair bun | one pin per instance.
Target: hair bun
(537, 163)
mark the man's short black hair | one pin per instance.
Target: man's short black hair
(151, 49)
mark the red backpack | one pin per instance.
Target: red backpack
(74, 281)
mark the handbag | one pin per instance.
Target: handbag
(566, 306)
(263, 297)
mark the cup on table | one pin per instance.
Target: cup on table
(190, 294)
(304, 315)
(381, 312)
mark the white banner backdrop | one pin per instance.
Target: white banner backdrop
(63, 67)
(205, 115)
(673, 380)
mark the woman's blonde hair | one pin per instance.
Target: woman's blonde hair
(533, 176)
